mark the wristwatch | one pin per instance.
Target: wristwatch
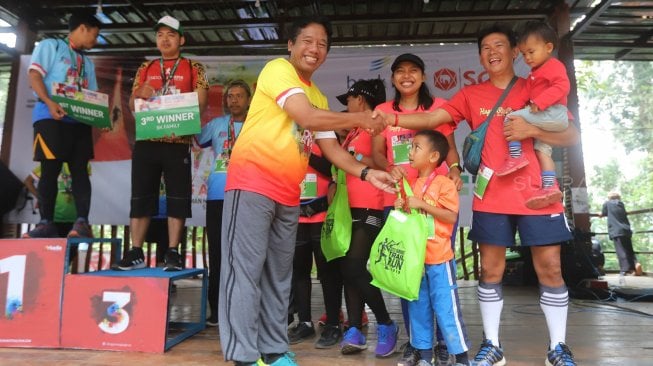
(364, 173)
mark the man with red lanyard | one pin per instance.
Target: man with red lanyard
(170, 156)
(499, 207)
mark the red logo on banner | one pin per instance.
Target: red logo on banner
(445, 79)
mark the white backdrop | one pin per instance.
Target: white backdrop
(448, 68)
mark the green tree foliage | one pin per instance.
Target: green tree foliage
(620, 98)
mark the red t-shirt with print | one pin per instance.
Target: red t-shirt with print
(507, 194)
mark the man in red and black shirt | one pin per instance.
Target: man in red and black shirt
(170, 156)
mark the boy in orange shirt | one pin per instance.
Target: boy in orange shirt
(436, 196)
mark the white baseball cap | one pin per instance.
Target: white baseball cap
(171, 23)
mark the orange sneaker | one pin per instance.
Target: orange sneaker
(543, 198)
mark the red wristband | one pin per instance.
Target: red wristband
(396, 120)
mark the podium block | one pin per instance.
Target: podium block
(94, 260)
(125, 310)
(31, 275)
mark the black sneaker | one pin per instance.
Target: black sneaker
(301, 332)
(172, 261)
(442, 356)
(43, 229)
(330, 337)
(410, 356)
(212, 321)
(133, 259)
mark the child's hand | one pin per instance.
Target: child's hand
(534, 108)
(399, 203)
(398, 172)
(414, 202)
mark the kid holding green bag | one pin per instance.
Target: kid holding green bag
(435, 195)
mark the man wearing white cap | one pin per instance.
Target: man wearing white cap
(170, 156)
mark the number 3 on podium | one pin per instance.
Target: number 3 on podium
(118, 318)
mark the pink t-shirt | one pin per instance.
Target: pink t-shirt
(398, 140)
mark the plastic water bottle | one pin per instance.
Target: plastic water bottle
(622, 279)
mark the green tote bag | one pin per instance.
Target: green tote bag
(397, 255)
(336, 230)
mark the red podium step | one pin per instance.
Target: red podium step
(125, 310)
(31, 274)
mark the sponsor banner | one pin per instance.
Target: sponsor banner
(85, 106)
(167, 115)
(31, 277)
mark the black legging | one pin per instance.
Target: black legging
(307, 248)
(48, 188)
(365, 227)
(213, 234)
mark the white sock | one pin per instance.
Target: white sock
(554, 302)
(490, 298)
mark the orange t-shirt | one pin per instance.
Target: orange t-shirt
(442, 193)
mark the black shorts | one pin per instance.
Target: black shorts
(62, 140)
(151, 159)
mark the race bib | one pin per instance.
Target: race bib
(482, 180)
(430, 224)
(309, 186)
(400, 148)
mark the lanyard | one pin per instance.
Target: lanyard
(427, 183)
(77, 64)
(350, 137)
(231, 136)
(166, 79)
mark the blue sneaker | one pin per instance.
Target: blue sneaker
(387, 341)
(288, 359)
(560, 356)
(489, 355)
(352, 342)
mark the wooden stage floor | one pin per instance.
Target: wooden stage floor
(599, 332)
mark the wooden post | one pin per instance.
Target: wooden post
(574, 181)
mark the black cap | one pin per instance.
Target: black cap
(407, 57)
(366, 88)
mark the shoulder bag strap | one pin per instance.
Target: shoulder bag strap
(503, 96)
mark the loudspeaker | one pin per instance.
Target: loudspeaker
(10, 187)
